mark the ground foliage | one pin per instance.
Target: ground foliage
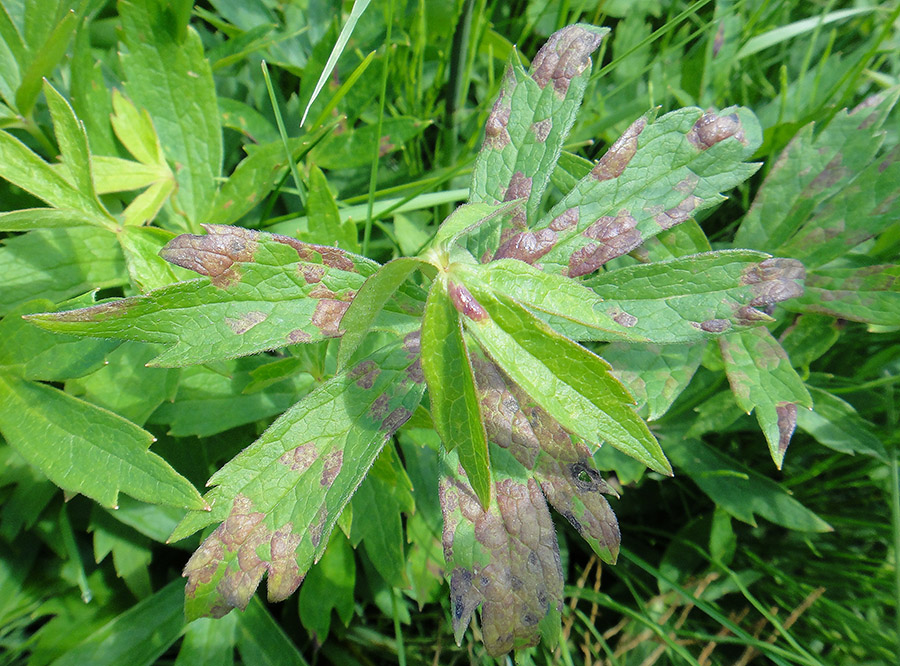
(428, 295)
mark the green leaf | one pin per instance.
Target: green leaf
(209, 642)
(163, 69)
(655, 374)
(869, 294)
(808, 172)
(451, 386)
(369, 302)
(762, 379)
(281, 497)
(130, 551)
(58, 264)
(384, 494)
(134, 129)
(325, 225)
(35, 354)
(353, 148)
(26, 219)
(147, 270)
(211, 401)
(834, 423)
(73, 147)
(329, 585)
(46, 57)
(261, 640)
(655, 176)
(138, 636)
(20, 166)
(262, 291)
(569, 382)
(466, 219)
(504, 558)
(85, 449)
(738, 489)
(531, 118)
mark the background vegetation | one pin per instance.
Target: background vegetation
(790, 566)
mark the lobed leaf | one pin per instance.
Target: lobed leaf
(451, 386)
(85, 449)
(762, 379)
(569, 382)
(261, 291)
(655, 176)
(528, 124)
(812, 169)
(560, 463)
(504, 558)
(281, 497)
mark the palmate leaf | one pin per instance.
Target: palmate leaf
(655, 176)
(280, 498)
(261, 291)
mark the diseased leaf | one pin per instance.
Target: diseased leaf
(808, 172)
(504, 558)
(163, 67)
(281, 497)
(869, 294)
(451, 386)
(738, 489)
(85, 449)
(560, 463)
(655, 374)
(148, 270)
(58, 264)
(569, 382)
(655, 176)
(763, 380)
(262, 291)
(528, 124)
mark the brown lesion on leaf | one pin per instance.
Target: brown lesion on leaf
(331, 467)
(774, 280)
(318, 525)
(298, 336)
(394, 420)
(365, 373)
(748, 316)
(327, 316)
(541, 129)
(496, 134)
(246, 321)
(332, 257)
(832, 174)
(624, 318)
(379, 408)
(613, 163)
(412, 344)
(100, 312)
(787, 421)
(617, 236)
(300, 458)
(284, 573)
(465, 302)
(566, 55)
(312, 273)
(712, 128)
(215, 254)
(527, 246)
(519, 188)
(678, 214)
(715, 325)
(565, 220)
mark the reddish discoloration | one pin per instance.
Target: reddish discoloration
(214, 254)
(330, 256)
(365, 374)
(617, 236)
(412, 343)
(625, 319)
(519, 188)
(607, 228)
(787, 421)
(284, 574)
(394, 420)
(565, 220)
(464, 302)
(832, 174)
(748, 316)
(100, 312)
(496, 135)
(669, 218)
(613, 163)
(774, 280)
(321, 291)
(299, 459)
(327, 316)
(541, 129)
(312, 273)
(245, 322)
(527, 246)
(414, 372)
(379, 408)
(331, 467)
(565, 55)
(297, 336)
(715, 325)
(710, 129)
(318, 526)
